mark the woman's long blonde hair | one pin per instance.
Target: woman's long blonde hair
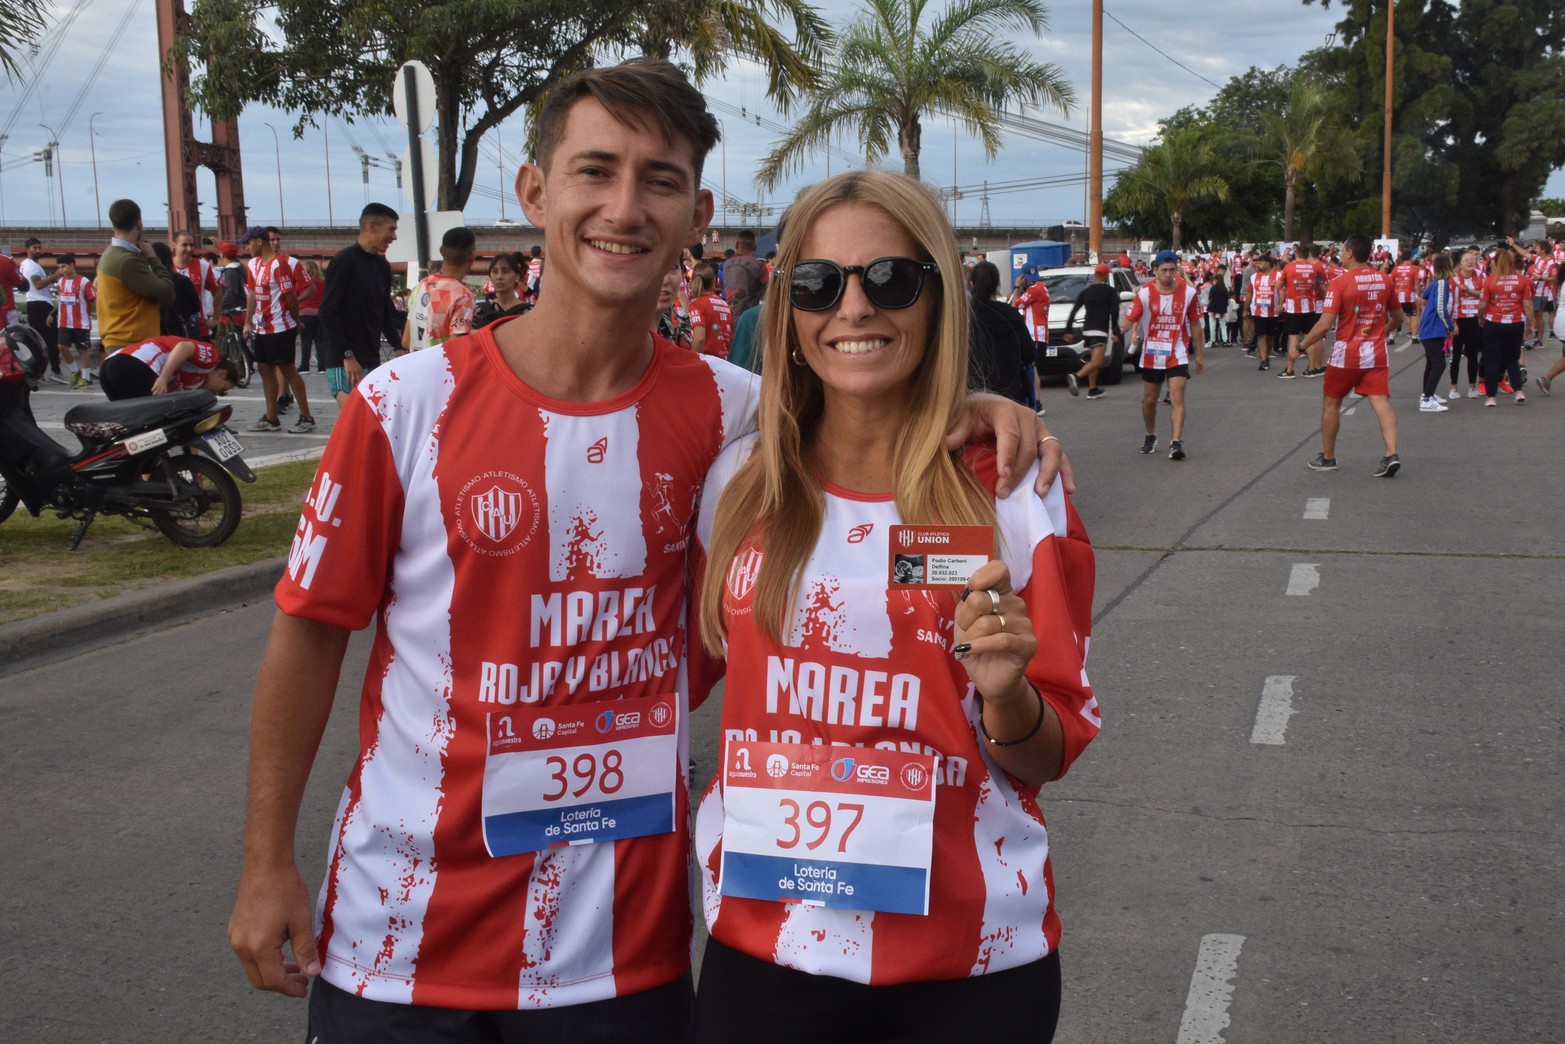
(775, 497)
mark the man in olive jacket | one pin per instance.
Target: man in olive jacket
(132, 283)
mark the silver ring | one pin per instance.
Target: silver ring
(994, 600)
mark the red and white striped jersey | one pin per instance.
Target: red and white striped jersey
(1263, 292)
(711, 313)
(1469, 295)
(1406, 279)
(442, 308)
(269, 280)
(76, 295)
(848, 638)
(1165, 324)
(1034, 306)
(156, 350)
(1543, 273)
(1507, 299)
(1359, 299)
(1301, 282)
(202, 276)
(520, 552)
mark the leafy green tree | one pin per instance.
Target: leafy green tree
(489, 58)
(1181, 169)
(20, 23)
(1304, 139)
(1551, 206)
(892, 65)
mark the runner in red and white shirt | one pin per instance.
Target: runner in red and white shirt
(1507, 303)
(442, 304)
(202, 276)
(1166, 314)
(1303, 289)
(711, 320)
(1544, 273)
(1468, 340)
(1263, 295)
(534, 276)
(73, 318)
(1361, 303)
(1407, 280)
(1033, 302)
(165, 364)
(272, 315)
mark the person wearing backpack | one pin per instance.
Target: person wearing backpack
(744, 275)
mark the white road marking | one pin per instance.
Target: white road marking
(1347, 411)
(1317, 507)
(1271, 720)
(1211, 990)
(1403, 346)
(1304, 578)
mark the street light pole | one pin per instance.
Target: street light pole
(326, 133)
(282, 215)
(1385, 170)
(59, 169)
(1095, 141)
(97, 201)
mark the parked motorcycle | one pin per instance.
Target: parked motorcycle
(159, 461)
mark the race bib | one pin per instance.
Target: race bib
(846, 827)
(580, 774)
(1159, 348)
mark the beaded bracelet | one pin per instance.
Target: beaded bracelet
(1033, 732)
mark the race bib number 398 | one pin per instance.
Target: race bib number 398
(581, 774)
(844, 827)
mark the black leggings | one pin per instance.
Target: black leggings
(125, 377)
(1502, 350)
(1434, 364)
(1468, 343)
(742, 998)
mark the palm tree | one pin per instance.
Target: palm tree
(1179, 170)
(1306, 139)
(891, 66)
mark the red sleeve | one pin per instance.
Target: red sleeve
(340, 564)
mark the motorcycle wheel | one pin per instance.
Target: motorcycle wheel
(8, 500)
(210, 499)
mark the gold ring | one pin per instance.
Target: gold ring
(1001, 618)
(1047, 438)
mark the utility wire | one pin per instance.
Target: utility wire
(1159, 50)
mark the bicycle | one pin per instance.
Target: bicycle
(231, 343)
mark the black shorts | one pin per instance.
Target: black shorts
(76, 340)
(1094, 341)
(661, 1014)
(1409, 308)
(1543, 304)
(125, 377)
(743, 998)
(274, 349)
(1267, 325)
(1299, 322)
(1159, 376)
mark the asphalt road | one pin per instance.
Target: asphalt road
(1324, 815)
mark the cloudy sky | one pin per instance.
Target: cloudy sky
(117, 39)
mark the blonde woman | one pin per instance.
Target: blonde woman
(839, 658)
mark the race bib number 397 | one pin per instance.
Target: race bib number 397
(845, 827)
(580, 774)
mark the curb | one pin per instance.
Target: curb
(28, 643)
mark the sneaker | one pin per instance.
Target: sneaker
(55, 378)
(1073, 384)
(1388, 467)
(1166, 400)
(1286, 375)
(76, 382)
(1432, 404)
(1176, 450)
(1472, 393)
(1323, 463)
(1454, 394)
(1149, 444)
(266, 425)
(1096, 393)
(1314, 373)
(1489, 401)
(1250, 352)
(1505, 386)
(1543, 385)
(1521, 400)
(302, 426)
(284, 403)
(1266, 364)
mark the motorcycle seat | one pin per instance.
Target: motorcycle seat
(108, 421)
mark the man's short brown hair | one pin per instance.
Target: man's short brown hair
(637, 93)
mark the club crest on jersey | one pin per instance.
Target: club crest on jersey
(857, 534)
(497, 513)
(742, 574)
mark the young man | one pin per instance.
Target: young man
(356, 308)
(1101, 303)
(1032, 300)
(534, 275)
(1262, 295)
(272, 315)
(165, 364)
(1302, 288)
(1166, 315)
(442, 306)
(744, 275)
(514, 506)
(40, 307)
(1360, 302)
(132, 284)
(1543, 272)
(202, 276)
(74, 318)
(1407, 282)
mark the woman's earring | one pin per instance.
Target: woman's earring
(797, 357)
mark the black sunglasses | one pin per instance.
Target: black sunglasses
(889, 282)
